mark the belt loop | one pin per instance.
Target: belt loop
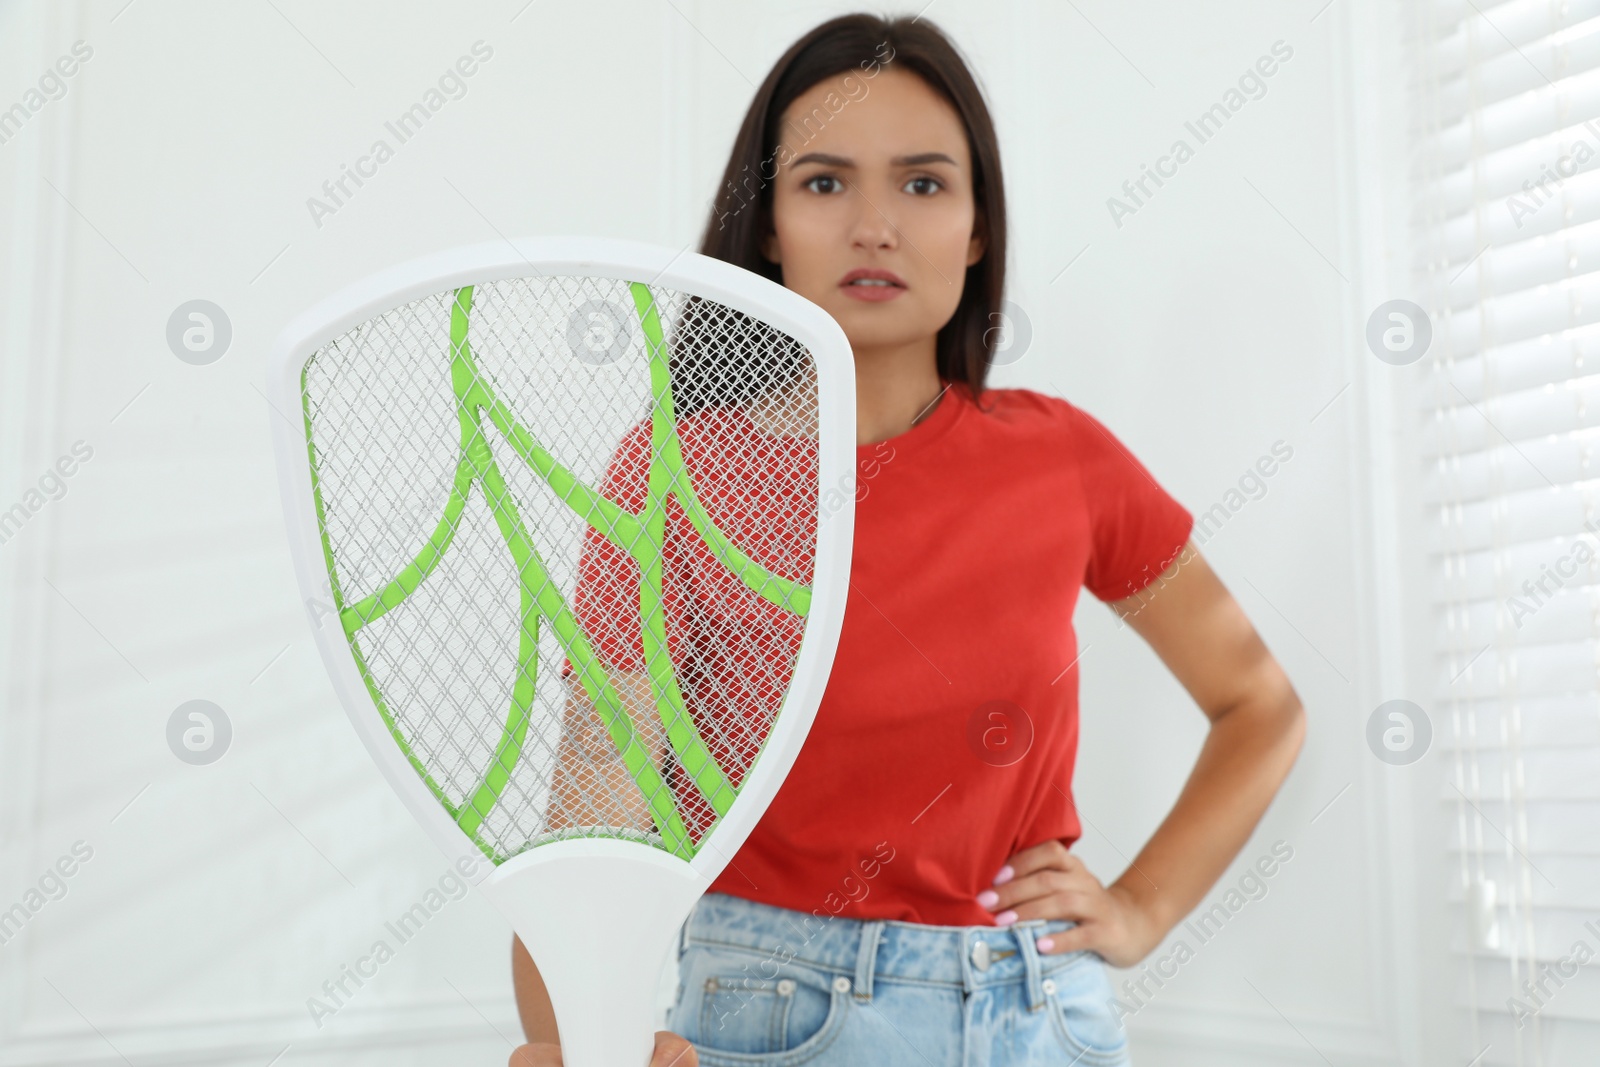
(867, 958)
(683, 931)
(1025, 933)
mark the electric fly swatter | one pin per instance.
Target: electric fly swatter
(573, 520)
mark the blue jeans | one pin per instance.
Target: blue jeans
(762, 986)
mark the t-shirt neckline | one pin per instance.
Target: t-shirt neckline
(937, 422)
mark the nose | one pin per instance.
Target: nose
(871, 229)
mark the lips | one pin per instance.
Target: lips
(873, 278)
(867, 283)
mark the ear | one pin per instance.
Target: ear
(769, 248)
(976, 246)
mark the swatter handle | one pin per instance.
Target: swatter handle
(600, 919)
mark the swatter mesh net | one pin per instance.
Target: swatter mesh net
(568, 360)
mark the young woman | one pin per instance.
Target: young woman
(910, 896)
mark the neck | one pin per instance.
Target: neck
(895, 386)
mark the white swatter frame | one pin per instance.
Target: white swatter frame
(584, 873)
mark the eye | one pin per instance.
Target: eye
(833, 184)
(924, 186)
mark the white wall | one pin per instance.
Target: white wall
(1222, 317)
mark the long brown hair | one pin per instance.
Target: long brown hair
(741, 215)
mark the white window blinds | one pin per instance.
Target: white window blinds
(1506, 176)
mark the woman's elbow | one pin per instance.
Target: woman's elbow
(1289, 721)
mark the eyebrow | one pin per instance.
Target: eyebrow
(917, 160)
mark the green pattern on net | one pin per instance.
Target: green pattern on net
(641, 535)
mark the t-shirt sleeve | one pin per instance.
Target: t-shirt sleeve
(605, 600)
(1137, 528)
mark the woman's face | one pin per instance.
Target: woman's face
(873, 206)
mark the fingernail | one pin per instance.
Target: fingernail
(1005, 918)
(1045, 944)
(988, 898)
(1005, 875)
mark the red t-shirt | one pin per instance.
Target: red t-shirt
(946, 736)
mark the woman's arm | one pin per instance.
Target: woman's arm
(1257, 726)
(593, 787)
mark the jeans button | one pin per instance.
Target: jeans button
(785, 987)
(980, 954)
(841, 984)
(1049, 987)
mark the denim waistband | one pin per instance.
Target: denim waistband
(881, 948)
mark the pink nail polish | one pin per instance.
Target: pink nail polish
(1005, 875)
(1005, 918)
(988, 898)
(1045, 944)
